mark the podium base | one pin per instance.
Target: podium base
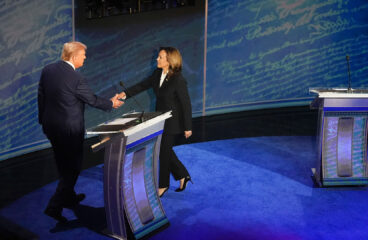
(106, 232)
(316, 178)
(336, 182)
(130, 236)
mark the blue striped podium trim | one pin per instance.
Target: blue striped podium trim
(156, 224)
(142, 140)
(345, 109)
(345, 181)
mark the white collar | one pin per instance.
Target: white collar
(71, 64)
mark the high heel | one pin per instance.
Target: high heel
(186, 180)
(164, 192)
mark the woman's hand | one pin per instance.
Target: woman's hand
(187, 134)
(122, 95)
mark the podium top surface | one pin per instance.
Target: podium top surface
(340, 92)
(128, 123)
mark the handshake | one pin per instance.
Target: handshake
(116, 102)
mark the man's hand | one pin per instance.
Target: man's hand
(116, 103)
(187, 134)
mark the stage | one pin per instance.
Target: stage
(244, 188)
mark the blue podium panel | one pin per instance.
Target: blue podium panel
(342, 137)
(142, 205)
(114, 153)
(344, 151)
(130, 174)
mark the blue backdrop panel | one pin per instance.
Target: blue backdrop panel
(125, 48)
(268, 53)
(260, 54)
(31, 36)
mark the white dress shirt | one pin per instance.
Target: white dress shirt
(71, 64)
(163, 76)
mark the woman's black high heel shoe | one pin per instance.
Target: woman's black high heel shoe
(164, 192)
(186, 180)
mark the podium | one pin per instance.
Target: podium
(132, 146)
(342, 137)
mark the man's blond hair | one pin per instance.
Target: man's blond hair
(71, 48)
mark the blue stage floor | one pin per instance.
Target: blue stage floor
(246, 188)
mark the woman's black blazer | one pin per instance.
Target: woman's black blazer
(172, 95)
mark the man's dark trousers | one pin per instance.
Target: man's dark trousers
(68, 151)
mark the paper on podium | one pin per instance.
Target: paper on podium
(114, 126)
(120, 121)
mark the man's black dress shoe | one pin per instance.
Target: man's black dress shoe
(72, 204)
(80, 197)
(55, 214)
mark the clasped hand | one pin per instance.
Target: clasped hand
(116, 103)
(187, 134)
(122, 95)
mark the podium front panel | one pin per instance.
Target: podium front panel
(142, 206)
(344, 148)
(114, 156)
(130, 175)
(342, 137)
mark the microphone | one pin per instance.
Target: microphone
(141, 119)
(349, 82)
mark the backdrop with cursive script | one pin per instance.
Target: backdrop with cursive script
(268, 53)
(31, 36)
(260, 54)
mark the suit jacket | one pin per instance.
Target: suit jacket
(62, 94)
(172, 95)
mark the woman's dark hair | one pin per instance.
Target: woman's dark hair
(174, 58)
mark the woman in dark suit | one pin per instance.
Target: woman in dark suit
(171, 92)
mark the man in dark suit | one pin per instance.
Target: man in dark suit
(62, 95)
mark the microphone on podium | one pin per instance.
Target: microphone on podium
(141, 119)
(349, 82)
